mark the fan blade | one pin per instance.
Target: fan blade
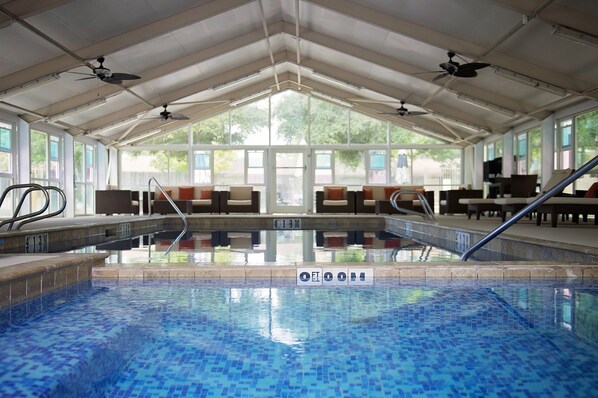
(466, 73)
(82, 73)
(86, 78)
(416, 113)
(201, 102)
(472, 66)
(177, 116)
(111, 80)
(387, 113)
(124, 76)
(440, 76)
(430, 71)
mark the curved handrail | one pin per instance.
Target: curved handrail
(427, 214)
(531, 207)
(51, 214)
(176, 208)
(32, 187)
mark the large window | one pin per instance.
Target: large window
(577, 143)
(346, 147)
(85, 163)
(289, 118)
(528, 152)
(329, 123)
(586, 146)
(7, 177)
(46, 168)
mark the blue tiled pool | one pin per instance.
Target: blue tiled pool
(265, 339)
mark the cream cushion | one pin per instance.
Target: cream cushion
(240, 195)
(379, 194)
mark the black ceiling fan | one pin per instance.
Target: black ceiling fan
(166, 115)
(106, 75)
(402, 111)
(454, 68)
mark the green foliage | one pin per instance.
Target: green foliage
(367, 130)
(248, 120)
(39, 153)
(290, 114)
(211, 131)
(174, 161)
(329, 123)
(586, 129)
(179, 136)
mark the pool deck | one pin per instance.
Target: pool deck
(24, 276)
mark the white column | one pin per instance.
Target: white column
(102, 166)
(478, 170)
(69, 175)
(548, 147)
(508, 154)
(468, 166)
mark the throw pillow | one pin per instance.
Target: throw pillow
(186, 193)
(388, 191)
(592, 191)
(161, 195)
(335, 193)
(368, 194)
(206, 194)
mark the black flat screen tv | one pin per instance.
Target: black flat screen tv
(492, 169)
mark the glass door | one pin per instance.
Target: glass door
(290, 168)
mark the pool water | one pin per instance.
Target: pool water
(271, 247)
(263, 339)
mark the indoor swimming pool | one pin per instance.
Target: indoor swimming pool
(271, 247)
(419, 338)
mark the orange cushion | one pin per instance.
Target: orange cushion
(186, 193)
(592, 191)
(389, 190)
(368, 194)
(206, 194)
(187, 244)
(161, 195)
(335, 194)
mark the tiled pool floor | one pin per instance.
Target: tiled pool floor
(252, 338)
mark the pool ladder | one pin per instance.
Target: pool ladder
(35, 215)
(175, 207)
(427, 214)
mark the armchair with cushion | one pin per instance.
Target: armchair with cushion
(189, 199)
(376, 198)
(335, 199)
(119, 201)
(449, 200)
(240, 199)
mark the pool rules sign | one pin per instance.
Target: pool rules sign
(335, 276)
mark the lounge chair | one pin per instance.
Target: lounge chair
(513, 205)
(576, 206)
(521, 187)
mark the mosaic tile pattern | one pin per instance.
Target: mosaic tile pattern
(258, 339)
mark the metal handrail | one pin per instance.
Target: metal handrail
(32, 187)
(428, 213)
(176, 208)
(51, 214)
(531, 207)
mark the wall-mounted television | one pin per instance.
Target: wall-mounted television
(492, 169)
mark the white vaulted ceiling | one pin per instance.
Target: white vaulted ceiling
(190, 51)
